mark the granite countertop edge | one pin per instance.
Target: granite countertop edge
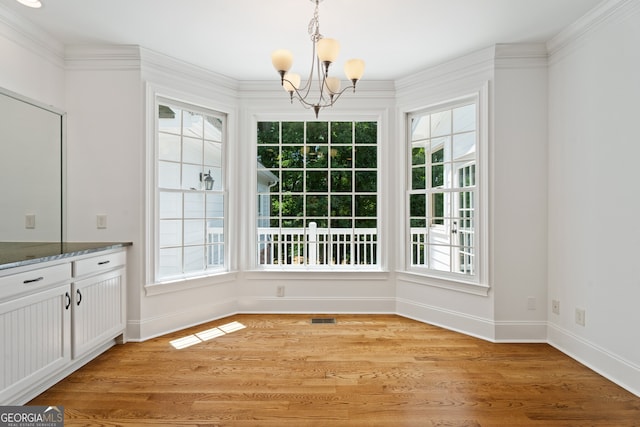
(19, 254)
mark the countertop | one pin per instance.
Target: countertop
(18, 254)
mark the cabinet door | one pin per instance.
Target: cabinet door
(34, 339)
(98, 310)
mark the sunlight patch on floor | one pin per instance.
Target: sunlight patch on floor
(207, 335)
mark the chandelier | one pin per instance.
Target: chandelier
(325, 52)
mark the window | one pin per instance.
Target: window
(442, 197)
(317, 194)
(190, 194)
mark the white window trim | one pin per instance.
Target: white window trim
(154, 286)
(253, 268)
(480, 283)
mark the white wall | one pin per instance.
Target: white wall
(594, 206)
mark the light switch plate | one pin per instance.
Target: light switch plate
(30, 221)
(101, 221)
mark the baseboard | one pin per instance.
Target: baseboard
(521, 331)
(609, 365)
(175, 321)
(448, 319)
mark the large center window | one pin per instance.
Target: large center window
(317, 186)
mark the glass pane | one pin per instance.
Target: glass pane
(193, 259)
(341, 206)
(170, 261)
(212, 154)
(366, 132)
(168, 147)
(192, 124)
(317, 156)
(366, 181)
(317, 205)
(464, 146)
(194, 232)
(464, 118)
(340, 181)
(191, 177)
(317, 132)
(418, 178)
(215, 205)
(366, 205)
(194, 205)
(441, 123)
(213, 128)
(441, 149)
(341, 223)
(341, 132)
(215, 255)
(293, 181)
(268, 132)
(170, 233)
(168, 175)
(169, 119)
(268, 156)
(437, 176)
(192, 150)
(418, 156)
(437, 208)
(341, 156)
(440, 257)
(420, 128)
(366, 157)
(293, 132)
(292, 156)
(465, 175)
(367, 223)
(317, 181)
(170, 205)
(418, 203)
(292, 205)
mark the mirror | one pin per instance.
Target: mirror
(31, 178)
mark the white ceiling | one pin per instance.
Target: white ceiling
(235, 37)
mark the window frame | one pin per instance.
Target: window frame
(477, 283)
(328, 268)
(155, 283)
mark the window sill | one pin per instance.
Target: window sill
(183, 284)
(444, 283)
(309, 274)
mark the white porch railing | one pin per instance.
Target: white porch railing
(317, 246)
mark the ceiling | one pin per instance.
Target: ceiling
(235, 37)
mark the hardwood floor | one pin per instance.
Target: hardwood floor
(365, 370)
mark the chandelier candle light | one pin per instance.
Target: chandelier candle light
(325, 52)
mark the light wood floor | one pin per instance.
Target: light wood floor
(365, 370)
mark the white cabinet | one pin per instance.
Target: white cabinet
(57, 316)
(98, 301)
(35, 329)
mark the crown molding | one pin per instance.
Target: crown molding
(24, 33)
(609, 11)
(102, 57)
(521, 55)
(157, 66)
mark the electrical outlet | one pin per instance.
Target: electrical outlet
(531, 303)
(30, 221)
(280, 291)
(580, 316)
(555, 306)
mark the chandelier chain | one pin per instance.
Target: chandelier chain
(314, 25)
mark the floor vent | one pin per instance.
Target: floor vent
(323, 320)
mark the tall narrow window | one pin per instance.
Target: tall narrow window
(190, 191)
(443, 194)
(317, 194)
